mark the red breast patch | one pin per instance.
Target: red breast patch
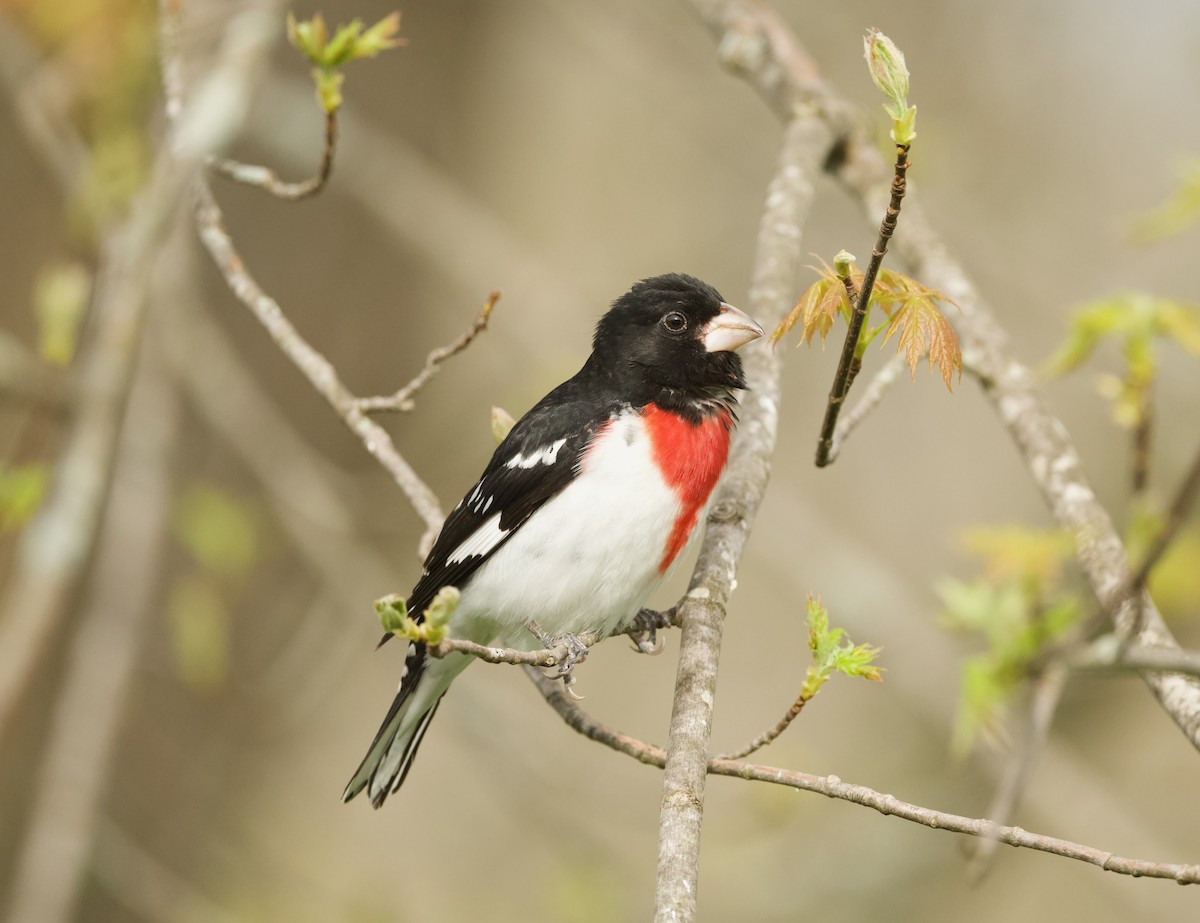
(690, 457)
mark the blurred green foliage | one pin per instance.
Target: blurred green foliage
(21, 490)
(1017, 607)
(223, 536)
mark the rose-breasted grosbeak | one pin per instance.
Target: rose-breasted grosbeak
(586, 503)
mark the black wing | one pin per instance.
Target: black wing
(539, 457)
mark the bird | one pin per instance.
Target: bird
(585, 505)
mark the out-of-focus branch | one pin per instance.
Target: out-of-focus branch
(875, 392)
(43, 98)
(833, 787)
(402, 400)
(703, 609)
(264, 178)
(103, 651)
(141, 882)
(22, 375)
(1104, 655)
(784, 73)
(55, 546)
(1047, 693)
(1177, 513)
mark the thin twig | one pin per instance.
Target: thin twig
(544, 657)
(1177, 513)
(1143, 444)
(878, 387)
(849, 362)
(833, 787)
(402, 400)
(264, 178)
(314, 366)
(770, 734)
(1047, 693)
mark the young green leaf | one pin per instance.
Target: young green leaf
(890, 73)
(831, 656)
(924, 331)
(393, 613)
(219, 529)
(1135, 321)
(819, 306)
(350, 42)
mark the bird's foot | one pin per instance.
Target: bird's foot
(575, 652)
(644, 629)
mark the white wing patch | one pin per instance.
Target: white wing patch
(480, 542)
(543, 456)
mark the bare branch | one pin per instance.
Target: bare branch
(876, 390)
(264, 178)
(770, 734)
(833, 787)
(703, 609)
(314, 366)
(544, 657)
(402, 400)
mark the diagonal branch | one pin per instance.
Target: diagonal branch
(849, 362)
(403, 399)
(833, 787)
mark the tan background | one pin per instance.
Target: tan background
(557, 152)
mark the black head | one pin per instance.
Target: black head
(674, 334)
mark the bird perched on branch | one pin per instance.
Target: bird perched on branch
(587, 502)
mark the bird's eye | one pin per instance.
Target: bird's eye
(675, 322)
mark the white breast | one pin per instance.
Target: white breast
(590, 557)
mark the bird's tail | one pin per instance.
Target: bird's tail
(395, 745)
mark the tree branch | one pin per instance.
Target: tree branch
(402, 400)
(264, 178)
(787, 78)
(876, 390)
(703, 609)
(850, 361)
(833, 787)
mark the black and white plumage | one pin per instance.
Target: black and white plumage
(586, 503)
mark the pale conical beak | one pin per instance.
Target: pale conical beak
(729, 330)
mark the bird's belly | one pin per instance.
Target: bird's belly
(589, 558)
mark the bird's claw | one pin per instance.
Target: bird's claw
(643, 632)
(575, 652)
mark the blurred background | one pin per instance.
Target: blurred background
(178, 750)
